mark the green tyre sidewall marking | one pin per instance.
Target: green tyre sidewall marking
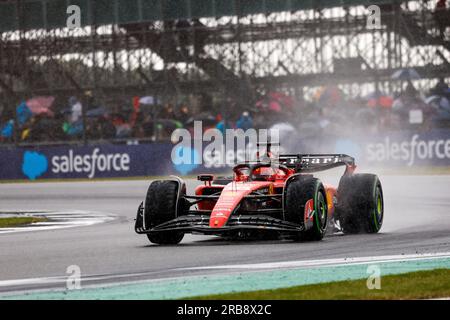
(317, 208)
(378, 196)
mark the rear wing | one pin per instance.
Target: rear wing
(316, 162)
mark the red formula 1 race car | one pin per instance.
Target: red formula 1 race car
(265, 199)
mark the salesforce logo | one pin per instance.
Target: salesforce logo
(36, 164)
(90, 164)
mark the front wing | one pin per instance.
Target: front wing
(199, 223)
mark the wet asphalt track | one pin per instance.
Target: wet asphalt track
(417, 220)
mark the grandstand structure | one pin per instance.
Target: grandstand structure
(225, 48)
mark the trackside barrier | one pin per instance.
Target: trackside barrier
(399, 149)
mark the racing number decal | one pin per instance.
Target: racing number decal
(309, 210)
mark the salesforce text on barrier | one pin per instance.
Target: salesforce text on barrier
(409, 151)
(90, 163)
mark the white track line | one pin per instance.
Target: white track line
(62, 279)
(327, 262)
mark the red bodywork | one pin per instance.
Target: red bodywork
(233, 193)
(258, 198)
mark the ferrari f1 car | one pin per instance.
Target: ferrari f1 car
(266, 198)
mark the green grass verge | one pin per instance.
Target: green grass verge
(414, 285)
(19, 221)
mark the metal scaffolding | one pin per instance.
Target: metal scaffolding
(293, 49)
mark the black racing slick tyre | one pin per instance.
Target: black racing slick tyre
(160, 207)
(306, 205)
(360, 204)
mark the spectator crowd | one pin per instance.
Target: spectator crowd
(329, 112)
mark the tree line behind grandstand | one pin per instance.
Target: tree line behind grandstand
(329, 111)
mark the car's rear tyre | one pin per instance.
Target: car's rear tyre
(360, 204)
(160, 207)
(307, 192)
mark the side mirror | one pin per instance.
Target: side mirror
(206, 178)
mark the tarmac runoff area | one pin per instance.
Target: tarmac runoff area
(116, 263)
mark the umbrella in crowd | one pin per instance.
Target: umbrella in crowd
(206, 118)
(275, 101)
(41, 105)
(433, 100)
(34, 106)
(439, 102)
(383, 101)
(168, 124)
(97, 112)
(378, 99)
(148, 100)
(442, 107)
(329, 96)
(406, 74)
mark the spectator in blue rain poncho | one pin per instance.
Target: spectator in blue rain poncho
(245, 121)
(6, 130)
(23, 113)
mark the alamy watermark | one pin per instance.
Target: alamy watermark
(73, 281)
(74, 19)
(229, 148)
(374, 17)
(374, 279)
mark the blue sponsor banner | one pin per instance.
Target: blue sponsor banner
(101, 161)
(399, 149)
(403, 149)
(98, 161)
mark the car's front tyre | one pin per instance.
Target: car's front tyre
(161, 206)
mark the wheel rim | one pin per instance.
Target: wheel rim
(378, 216)
(321, 214)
